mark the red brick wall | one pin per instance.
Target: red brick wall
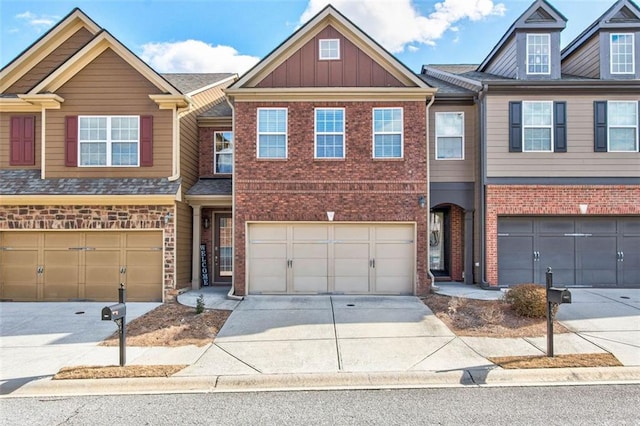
(357, 188)
(557, 200)
(457, 243)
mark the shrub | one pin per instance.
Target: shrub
(200, 304)
(528, 300)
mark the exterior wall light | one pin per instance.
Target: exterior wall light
(167, 218)
(422, 201)
(206, 222)
(583, 208)
(330, 216)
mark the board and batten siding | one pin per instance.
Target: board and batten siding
(454, 170)
(354, 68)
(584, 62)
(505, 64)
(579, 161)
(95, 90)
(51, 62)
(5, 145)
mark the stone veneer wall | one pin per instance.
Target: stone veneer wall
(89, 218)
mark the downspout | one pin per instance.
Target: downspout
(431, 277)
(230, 294)
(483, 181)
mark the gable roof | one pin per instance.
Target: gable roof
(191, 83)
(328, 16)
(622, 14)
(46, 44)
(540, 15)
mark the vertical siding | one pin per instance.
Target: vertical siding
(354, 68)
(506, 62)
(95, 91)
(51, 62)
(184, 220)
(454, 170)
(584, 62)
(578, 161)
(5, 144)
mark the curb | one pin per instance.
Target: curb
(495, 377)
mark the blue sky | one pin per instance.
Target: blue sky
(231, 35)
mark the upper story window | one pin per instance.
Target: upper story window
(329, 48)
(109, 141)
(223, 155)
(537, 125)
(272, 133)
(329, 133)
(622, 118)
(449, 135)
(387, 133)
(622, 54)
(538, 54)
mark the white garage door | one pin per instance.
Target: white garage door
(310, 258)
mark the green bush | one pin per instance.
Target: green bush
(200, 304)
(528, 300)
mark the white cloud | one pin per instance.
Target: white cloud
(39, 22)
(195, 56)
(397, 24)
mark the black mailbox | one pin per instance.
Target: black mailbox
(114, 312)
(559, 295)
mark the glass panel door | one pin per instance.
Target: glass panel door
(223, 256)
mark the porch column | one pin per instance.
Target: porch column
(195, 257)
(468, 246)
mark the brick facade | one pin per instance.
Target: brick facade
(357, 188)
(206, 150)
(557, 200)
(457, 243)
(90, 218)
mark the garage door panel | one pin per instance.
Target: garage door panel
(271, 232)
(103, 239)
(394, 233)
(631, 261)
(515, 260)
(310, 232)
(396, 284)
(558, 253)
(597, 226)
(144, 240)
(268, 261)
(515, 224)
(15, 240)
(351, 233)
(351, 267)
(63, 240)
(19, 275)
(630, 226)
(556, 226)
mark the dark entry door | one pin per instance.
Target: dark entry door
(223, 248)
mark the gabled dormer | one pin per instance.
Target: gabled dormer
(608, 49)
(530, 49)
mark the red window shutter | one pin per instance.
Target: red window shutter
(146, 140)
(71, 141)
(22, 141)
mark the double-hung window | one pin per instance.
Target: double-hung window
(387, 133)
(223, 146)
(329, 133)
(272, 133)
(622, 52)
(623, 126)
(538, 54)
(449, 135)
(537, 125)
(109, 141)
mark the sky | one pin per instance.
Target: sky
(233, 35)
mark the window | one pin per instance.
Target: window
(623, 126)
(449, 135)
(537, 124)
(329, 133)
(622, 49)
(108, 140)
(223, 146)
(538, 58)
(329, 49)
(387, 133)
(272, 133)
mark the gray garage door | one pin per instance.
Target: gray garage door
(599, 252)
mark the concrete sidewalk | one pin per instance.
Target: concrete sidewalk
(276, 342)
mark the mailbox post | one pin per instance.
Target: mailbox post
(554, 296)
(118, 314)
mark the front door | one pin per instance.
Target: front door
(439, 242)
(223, 248)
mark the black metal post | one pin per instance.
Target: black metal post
(549, 277)
(122, 327)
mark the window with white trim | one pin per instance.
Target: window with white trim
(109, 141)
(622, 119)
(538, 54)
(272, 133)
(329, 133)
(387, 133)
(329, 48)
(449, 136)
(223, 152)
(537, 126)
(622, 53)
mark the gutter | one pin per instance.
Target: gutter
(431, 277)
(230, 294)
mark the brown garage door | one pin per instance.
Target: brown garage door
(61, 266)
